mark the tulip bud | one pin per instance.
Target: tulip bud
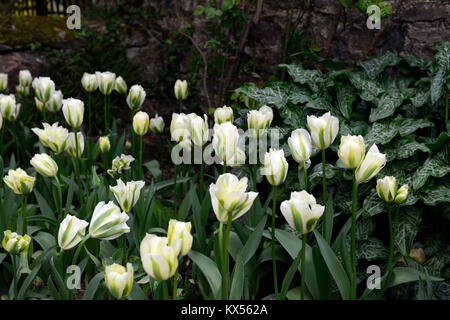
(387, 188)
(9, 109)
(89, 82)
(54, 137)
(223, 114)
(1, 120)
(402, 194)
(19, 181)
(39, 105)
(119, 164)
(15, 243)
(73, 110)
(108, 222)
(55, 102)
(119, 280)
(140, 123)
(228, 197)
(181, 89)
(373, 162)
(179, 127)
(157, 124)
(199, 129)
(136, 97)
(71, 232)
(258, 120)
(180, 230)
(300, 145)
(43, 88)
(127, 195)
(104, 144)
(351, 151)
(106, 82)
(159, 260)
(225, 140)
(22, 91)
(301, 211)
(323, 129)
(3, 81)
(72, 147)
(44, 164)
(128, 145)
(121, 86)
(25, 78)
(275, 167)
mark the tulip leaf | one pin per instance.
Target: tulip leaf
(58, 279)
(93, 285)
(209, 270)
(137, 293)
(334, 266)
(287, 280)
(43, 204)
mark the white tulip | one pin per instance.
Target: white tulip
(180, 230)
(72, 147)
(43, 88)
(275, 167)
(199, 130)
(373, 162)
(127, 195)
(121, 86)
(104, 144)
(73, 110)
(54, 137)
(157, 124)
(228, 197)
(71, 232)
(106, 82)
(387, 188)
(120, 164)
(351, 151)
(22, 91)
(25, 78)
(402, 194)
(89, 82)
(179, 127)
(44, 164)
(19, 181)
(181, 89)
(39, 105)
(238, 159)
(223, 114)
(323, 129)
(258, 120)
(159, 260)
(140, 123)
(300, 145)
(225, 140)
(9, 108)
(108, 222)
(3, 81)
(15, 243)
(54, 104)
(301, 211)
(119, 280)
(136, 97)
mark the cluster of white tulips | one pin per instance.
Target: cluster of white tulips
(230, 200)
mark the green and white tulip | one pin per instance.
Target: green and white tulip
(157, 124)
(72, 147)
(120, 164)
(19, 181)
(127, 195)
(181, 89)
(44, 164)
(3, 81)
(71, 232)
(199, 129)
(179, 127)
(73, 110)
(106, 82)
(14, 243)
(258, 120)
(53, 136)
(136, 97)
(119, 280)
(228, 197)
(387, 188)
(300, 145)
(43, 88)
(25, 78)
(373, 162)
(140, 123)
(55, 102)
(223, 114)
(121, 86)
(351, 151)
(9, 108)
(275, 167)
(180, 230)
(323, 129)
(104, 144)
(89, 82)
(402, 194)
(108, 222)
(301, 211)
(225, 141)
(22, 91)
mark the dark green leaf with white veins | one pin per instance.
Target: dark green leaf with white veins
(436, 166)
(369, 88)
(386, 105)
(406, 229)
(345, 97)
(435, 195)
(313, 78)
(381, 132)
(409, 126)
(376, 65)
(405, 148)
(371, 249)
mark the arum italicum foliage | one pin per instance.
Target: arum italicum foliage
(229, 197)
(44, 164)
(157, 124)
(180, 230)
(71, 232)
(127, 195)
(119, 279)
(19, 181)
(159, 259)
(73, 110)
(14, 243)
(223, 114)
(108, 222)
(53, 136)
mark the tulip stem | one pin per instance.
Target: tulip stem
(175, 283)
(24, 214)
(391, 240)
(106, 115)
(175, 188)
(324, 197)
(201, 175)
(141, 170)
(255, 168)
(274, 261)
(77, 252)
(224, 168)
(305, 175)
(77, 159)
(353, 235)
(181, 104)
(14, 262)
(165, 290)
(302, 269)
(2, 133)
(90, 112)
(225, 257)
(60, 214)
